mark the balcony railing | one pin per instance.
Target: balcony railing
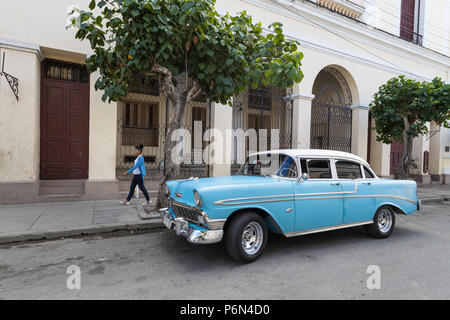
(133, 136)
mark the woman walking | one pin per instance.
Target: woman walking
(138, 176)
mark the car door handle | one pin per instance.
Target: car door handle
(368, 183)
(335, 183)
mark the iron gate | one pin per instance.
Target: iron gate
(258, 109)
(144, 118)
(331, 126)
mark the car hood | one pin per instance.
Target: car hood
(220, 188)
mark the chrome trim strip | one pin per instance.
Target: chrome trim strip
(341, 226)
(222, 202)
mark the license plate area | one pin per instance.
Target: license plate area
(167, 222)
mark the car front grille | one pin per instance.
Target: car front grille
(184, 211)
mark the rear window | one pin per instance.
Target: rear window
(348, 170)
(319, 169)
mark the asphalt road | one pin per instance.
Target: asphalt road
(414, 263)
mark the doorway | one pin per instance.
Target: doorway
(64, 121)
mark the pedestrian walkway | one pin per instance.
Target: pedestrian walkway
(433, 193)
(39, 221)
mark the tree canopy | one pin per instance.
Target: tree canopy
(417, 102)
(402, 108)
(224, 54)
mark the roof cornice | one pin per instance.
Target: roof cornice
(357, 31)
(22, 46)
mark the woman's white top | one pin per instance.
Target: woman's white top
(137, 171)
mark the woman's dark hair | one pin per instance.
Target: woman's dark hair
(140, 147)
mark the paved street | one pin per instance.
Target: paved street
(414, 264)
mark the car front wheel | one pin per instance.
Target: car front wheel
(383, 223)
(246, 237)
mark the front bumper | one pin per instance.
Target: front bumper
(181, 227)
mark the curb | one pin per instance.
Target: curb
(20, 237)
(434, 200)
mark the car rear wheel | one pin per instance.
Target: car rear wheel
(246, 237)
(383, 223)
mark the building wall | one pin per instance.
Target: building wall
(42, 24)
(19, 121)
(366, 57)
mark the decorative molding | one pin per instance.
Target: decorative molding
(22, 46)
(359, 32)
(359, 107)
(300, 96)
(345, 8)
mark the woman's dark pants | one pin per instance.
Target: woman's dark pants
(137, 181)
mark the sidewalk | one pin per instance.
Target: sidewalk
(40, 221)
(434, 193)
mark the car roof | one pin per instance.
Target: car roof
(319, 153)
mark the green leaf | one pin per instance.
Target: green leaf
(92, 5)
(174, 10)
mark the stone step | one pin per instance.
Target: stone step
(60, 198)
(61, 183)
(61, 191)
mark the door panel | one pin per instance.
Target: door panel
(359, 206)
(64, 128)
(396, 153)
(318, 204)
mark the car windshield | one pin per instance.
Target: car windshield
(267, 165)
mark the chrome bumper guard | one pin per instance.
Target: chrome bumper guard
(181, 228)
(419, 205)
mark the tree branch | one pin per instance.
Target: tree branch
(165, 83)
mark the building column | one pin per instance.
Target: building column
(220, 140)
(360, 118)
(380, 155)
(301, 118)
(436, 153)
(421, 145)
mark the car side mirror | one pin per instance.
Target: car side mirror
(304, 177)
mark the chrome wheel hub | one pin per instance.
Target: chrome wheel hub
(252, 238)
(384, 220)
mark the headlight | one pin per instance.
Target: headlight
(167, 191)
(197, 199)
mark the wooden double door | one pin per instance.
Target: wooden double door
(64, 122)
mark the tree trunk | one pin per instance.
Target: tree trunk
(405, 163)
(180, 100)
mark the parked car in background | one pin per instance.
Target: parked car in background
(290, 192)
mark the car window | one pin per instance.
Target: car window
(319, 169)
(267, 165)
(367, 173)
(288, 168)
(348, 170)
(304, 166)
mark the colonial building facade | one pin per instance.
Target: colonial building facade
(59, 141)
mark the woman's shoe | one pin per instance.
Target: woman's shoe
(124, 202)
(147, 203)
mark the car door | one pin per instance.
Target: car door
(318, 201)
(357, 191)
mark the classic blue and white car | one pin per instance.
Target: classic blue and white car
(291, 192)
